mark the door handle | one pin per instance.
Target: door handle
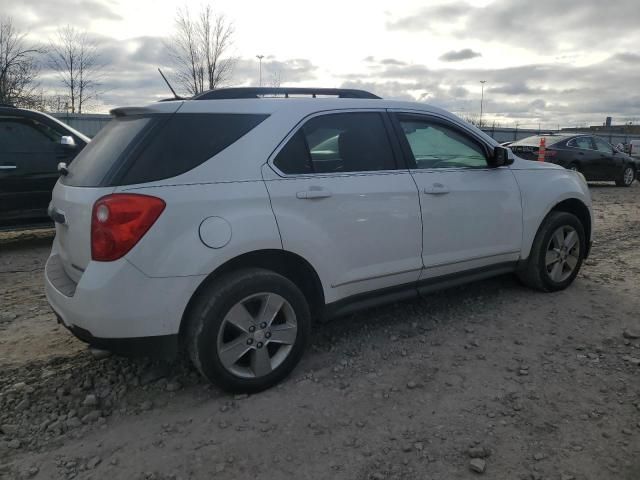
(313, 193)
(8, 167)
(436, 189)
(580, 153)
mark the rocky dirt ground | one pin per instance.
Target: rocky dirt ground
(491, 377)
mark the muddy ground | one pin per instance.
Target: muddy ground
(536, 386)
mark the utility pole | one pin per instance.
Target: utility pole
(260, 57)
(481, 101)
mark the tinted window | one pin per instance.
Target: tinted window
(435, 145)
(603, 146)
(185, 141)
(140, 149)
(342, 142)
(91, 166)
(25, 135)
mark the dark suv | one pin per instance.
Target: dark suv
(31, 146)
(592, 156)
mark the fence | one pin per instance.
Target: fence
(502, 134)
(87, 123)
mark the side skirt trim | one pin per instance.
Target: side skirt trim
(407, 291)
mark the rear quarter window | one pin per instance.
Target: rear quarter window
(185, 141)
(141, 149)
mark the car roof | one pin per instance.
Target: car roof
(291, 108)
(11, 110)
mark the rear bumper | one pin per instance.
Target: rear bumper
(116, 307)
(161, 346)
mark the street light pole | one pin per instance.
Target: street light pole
(260, 57)
(482, 100)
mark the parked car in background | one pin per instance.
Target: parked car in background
(590, 155)
(634, 148)
(225, 223)
(31, 146)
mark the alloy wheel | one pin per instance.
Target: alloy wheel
(563, 253)
(627, 176)
(256, 335)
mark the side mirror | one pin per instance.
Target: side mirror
(500, 157)
(67, 141)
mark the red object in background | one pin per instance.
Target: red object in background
(541, 149)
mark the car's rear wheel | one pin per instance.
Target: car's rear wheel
(627, 177)
(556, 254)
(248, 330)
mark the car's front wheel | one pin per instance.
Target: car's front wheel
(248, 330)
(556, 254)
(627, 177)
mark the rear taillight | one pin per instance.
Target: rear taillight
(119, 221)
(550, 153)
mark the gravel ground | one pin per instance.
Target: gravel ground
(490, 379)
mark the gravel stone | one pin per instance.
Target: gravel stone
(477, 465)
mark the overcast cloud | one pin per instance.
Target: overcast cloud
(459, 55)
(555, 62)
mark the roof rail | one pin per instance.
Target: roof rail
(257, 92)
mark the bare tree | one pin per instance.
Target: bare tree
(76, 59)
(199, 50)
(18, 66)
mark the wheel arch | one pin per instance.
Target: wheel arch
(580, 210)
(283, 262)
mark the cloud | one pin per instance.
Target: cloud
(36, 14)
(626, 57)
(392, 61)
(458, 55)
(459, 92)
(426, 18)
(293, 70)
(543, 25)
(551, 93)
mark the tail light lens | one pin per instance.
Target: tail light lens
(119, 221)
(550, 153)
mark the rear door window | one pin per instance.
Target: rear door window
(140, 149)
(336, 143)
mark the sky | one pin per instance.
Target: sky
(548, 62)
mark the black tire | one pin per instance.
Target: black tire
(621, 182)
(206, 319)
(534, 274)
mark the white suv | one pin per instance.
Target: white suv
(226, 223)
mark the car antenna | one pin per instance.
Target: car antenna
(177, 97)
